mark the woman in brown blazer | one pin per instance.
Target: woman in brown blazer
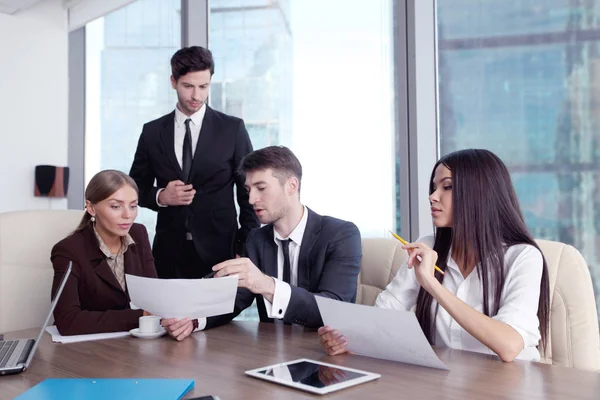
(105, 246)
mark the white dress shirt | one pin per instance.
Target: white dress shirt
(283, 291)
(518, 304)
(195, 126)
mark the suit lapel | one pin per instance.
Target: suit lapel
(98, 261)
(311, 235)
(167, 137)
(269, 261)
(132, 263)
(103, 271)
(205, 138)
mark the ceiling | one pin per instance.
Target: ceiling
(14, 6)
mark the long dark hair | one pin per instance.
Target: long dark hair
(487, 220)
(101, 187)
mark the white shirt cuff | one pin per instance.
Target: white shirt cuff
(281, 300)
(157, 194)
(201, 324)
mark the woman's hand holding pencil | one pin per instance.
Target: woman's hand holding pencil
(405, 243)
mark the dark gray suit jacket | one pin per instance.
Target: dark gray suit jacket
(328, 266)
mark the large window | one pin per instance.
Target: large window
(316, 76)
(127, 82)
(521, 79)
(320, 81)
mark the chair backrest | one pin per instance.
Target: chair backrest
(26, 239)
(380, 262)
(574, 336)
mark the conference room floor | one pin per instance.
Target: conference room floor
(216, 359)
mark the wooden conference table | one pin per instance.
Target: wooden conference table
(216, 360)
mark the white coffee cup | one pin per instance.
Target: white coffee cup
(149, 324)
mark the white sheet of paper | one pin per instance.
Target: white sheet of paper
(58, 338)
(180, 298)
(375, 332)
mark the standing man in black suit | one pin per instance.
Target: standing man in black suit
(193, 154)
(298, 253)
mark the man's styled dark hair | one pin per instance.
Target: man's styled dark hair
(191, 59)
(278, 158)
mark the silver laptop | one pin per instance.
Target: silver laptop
(15, 355)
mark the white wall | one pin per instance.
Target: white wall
(33, 101)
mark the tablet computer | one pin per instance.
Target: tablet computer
(312, 376)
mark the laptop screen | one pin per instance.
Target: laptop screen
(58, 293)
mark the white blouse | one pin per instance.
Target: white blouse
(518, 303)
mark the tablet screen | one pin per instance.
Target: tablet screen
(311, 374)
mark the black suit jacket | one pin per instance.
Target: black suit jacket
(328, 266)
(211, 217)
(92, 300)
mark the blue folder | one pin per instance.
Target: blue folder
(113, 389)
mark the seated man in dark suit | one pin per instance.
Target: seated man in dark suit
(298, 253)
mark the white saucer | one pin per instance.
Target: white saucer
(136, 332)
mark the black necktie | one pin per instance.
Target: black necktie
(285, 246)
(186, 159)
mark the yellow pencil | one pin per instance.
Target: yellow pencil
(404, 242)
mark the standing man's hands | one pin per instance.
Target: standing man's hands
(176, 193)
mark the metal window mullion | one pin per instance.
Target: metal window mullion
(423, 143)
(194, 23)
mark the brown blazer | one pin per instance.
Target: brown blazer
(92, 300)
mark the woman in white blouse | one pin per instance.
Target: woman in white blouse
(494, 296)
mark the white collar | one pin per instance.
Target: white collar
(298, 232)
(196, 117)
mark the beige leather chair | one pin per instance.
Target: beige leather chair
(574, 337)
(26, 238)
(380, 262)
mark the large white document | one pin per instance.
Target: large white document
(375, 332)
(180, 298)
(58, 338)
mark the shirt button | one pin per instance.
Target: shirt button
(280, 311)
